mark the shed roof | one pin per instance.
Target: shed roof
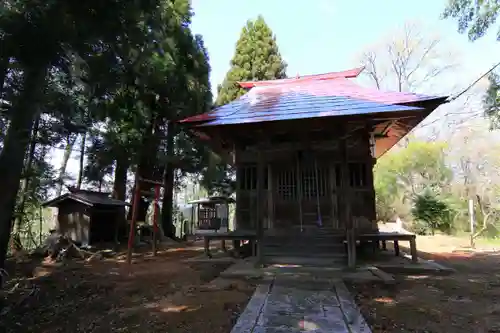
(89, 198)
(309, 99)
(213, 200)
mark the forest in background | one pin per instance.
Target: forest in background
(107, 82)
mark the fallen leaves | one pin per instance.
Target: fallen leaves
(161, 295)
(461, 302)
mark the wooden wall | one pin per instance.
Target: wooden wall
(87, 225)
(74, 221)
(299, 178)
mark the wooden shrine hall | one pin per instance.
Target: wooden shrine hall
(304, 149)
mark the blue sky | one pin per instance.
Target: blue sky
(322, 36)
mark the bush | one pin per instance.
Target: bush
(432, 214)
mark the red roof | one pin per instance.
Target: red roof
(352, 73)
(341, 87)
(311, 91)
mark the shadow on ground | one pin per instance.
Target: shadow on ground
(465, 301)
(159, 294)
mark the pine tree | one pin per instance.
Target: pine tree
(256, 58)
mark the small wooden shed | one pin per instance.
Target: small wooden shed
(89, 217)
(213, 212)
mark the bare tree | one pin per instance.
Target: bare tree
(417, 60)
(477, 170)
(409, 60)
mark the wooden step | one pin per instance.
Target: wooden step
(315, 245)
(303, 253)
(305, 262)
(325, 238)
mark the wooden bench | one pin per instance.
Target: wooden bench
(396, 237)
(235, 236)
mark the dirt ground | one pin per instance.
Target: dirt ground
(159, 294)
(466, 301)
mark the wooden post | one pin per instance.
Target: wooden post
(259, 210)
(333, 197)
(396, 247)
(346, 203)
(155, 218)
(413, 250)
(298, 178)
(137, 194)
(369, 136)
(270, 197)
(471, 215)
(237, 210)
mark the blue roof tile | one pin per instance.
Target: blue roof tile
(288, 106)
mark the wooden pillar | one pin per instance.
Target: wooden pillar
(259, 210)
(298, 179)
(333, 197)
(237, 207)
(370, 164)
(346, 205)
(270, 196)
(413, 250)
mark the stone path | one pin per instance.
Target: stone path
(279, 307)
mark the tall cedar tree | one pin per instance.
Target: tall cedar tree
(256, 58)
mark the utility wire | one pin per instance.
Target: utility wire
(451, 99)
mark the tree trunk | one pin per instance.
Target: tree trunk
(142, 204)
(26, 181)
(64, 164)
(119, 192)
(82, 158)
(168, 185)
(4, 69)
(13, 152)
(147, 168)
(120, 181)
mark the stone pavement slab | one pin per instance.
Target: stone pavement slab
(277, 307)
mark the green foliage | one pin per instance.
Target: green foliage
(403, 173)
(473, 16)
(432, 212)
(117, 73)
(476, 18)
(491, 101)
(256, 58)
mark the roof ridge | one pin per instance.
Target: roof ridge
(351, 73)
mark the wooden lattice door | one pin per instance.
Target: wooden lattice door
(285, 196)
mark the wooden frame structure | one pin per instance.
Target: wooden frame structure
(304, 150)
(133, 222)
